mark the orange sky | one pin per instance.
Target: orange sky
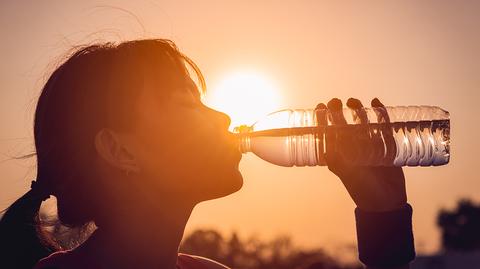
(404, 52)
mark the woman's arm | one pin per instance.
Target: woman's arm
(379, 192)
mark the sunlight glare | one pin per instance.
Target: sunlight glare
(245, 97)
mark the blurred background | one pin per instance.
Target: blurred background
(284, 54)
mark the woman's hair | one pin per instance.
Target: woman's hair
(95, 88)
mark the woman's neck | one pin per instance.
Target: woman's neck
(140, 240)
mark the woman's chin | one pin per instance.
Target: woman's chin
(225, 185)
(238, 182)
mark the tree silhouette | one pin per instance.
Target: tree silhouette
(460, 227)
(252, 253)
(208, 243)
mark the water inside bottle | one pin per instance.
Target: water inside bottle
(411, 143)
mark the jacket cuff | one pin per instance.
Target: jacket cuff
(385, 239)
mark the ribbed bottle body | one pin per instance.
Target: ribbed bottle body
(389, 136)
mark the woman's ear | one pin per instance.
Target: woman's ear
(112, 149)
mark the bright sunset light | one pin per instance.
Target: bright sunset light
(244, 96)
(75, 74)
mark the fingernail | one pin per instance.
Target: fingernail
(321, 106)
(376, 102)
(354, 103)
(334, 104)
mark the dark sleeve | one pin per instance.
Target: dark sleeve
(385, 239)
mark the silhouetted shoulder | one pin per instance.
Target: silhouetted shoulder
(57, 260)
(190, 260)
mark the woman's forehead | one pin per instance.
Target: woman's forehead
(165, 92)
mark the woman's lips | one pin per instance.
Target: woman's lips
(238, 155)
(233, 153)
(230, 148)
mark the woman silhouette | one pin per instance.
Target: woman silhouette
(123, 140)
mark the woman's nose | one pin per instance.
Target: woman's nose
(222, 119)
(225, 119)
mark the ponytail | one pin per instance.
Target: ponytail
(21, 243)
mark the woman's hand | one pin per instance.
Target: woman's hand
(380, 188)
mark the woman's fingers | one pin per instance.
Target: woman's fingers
(385, 129)
(360, 132)
(335, 108)
(376, 102)
(321, 112)
(334, 136)
(321, 106)
(380, 111)
(362, 143)
(354, 103)
(359, 114)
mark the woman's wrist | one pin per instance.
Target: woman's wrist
(384, 207)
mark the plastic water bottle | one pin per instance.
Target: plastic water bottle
(384, 136)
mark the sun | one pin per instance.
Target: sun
(244, 96)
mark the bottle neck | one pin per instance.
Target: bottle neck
(244, 143)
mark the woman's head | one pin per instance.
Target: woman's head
(125, 122)
(113, 110)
